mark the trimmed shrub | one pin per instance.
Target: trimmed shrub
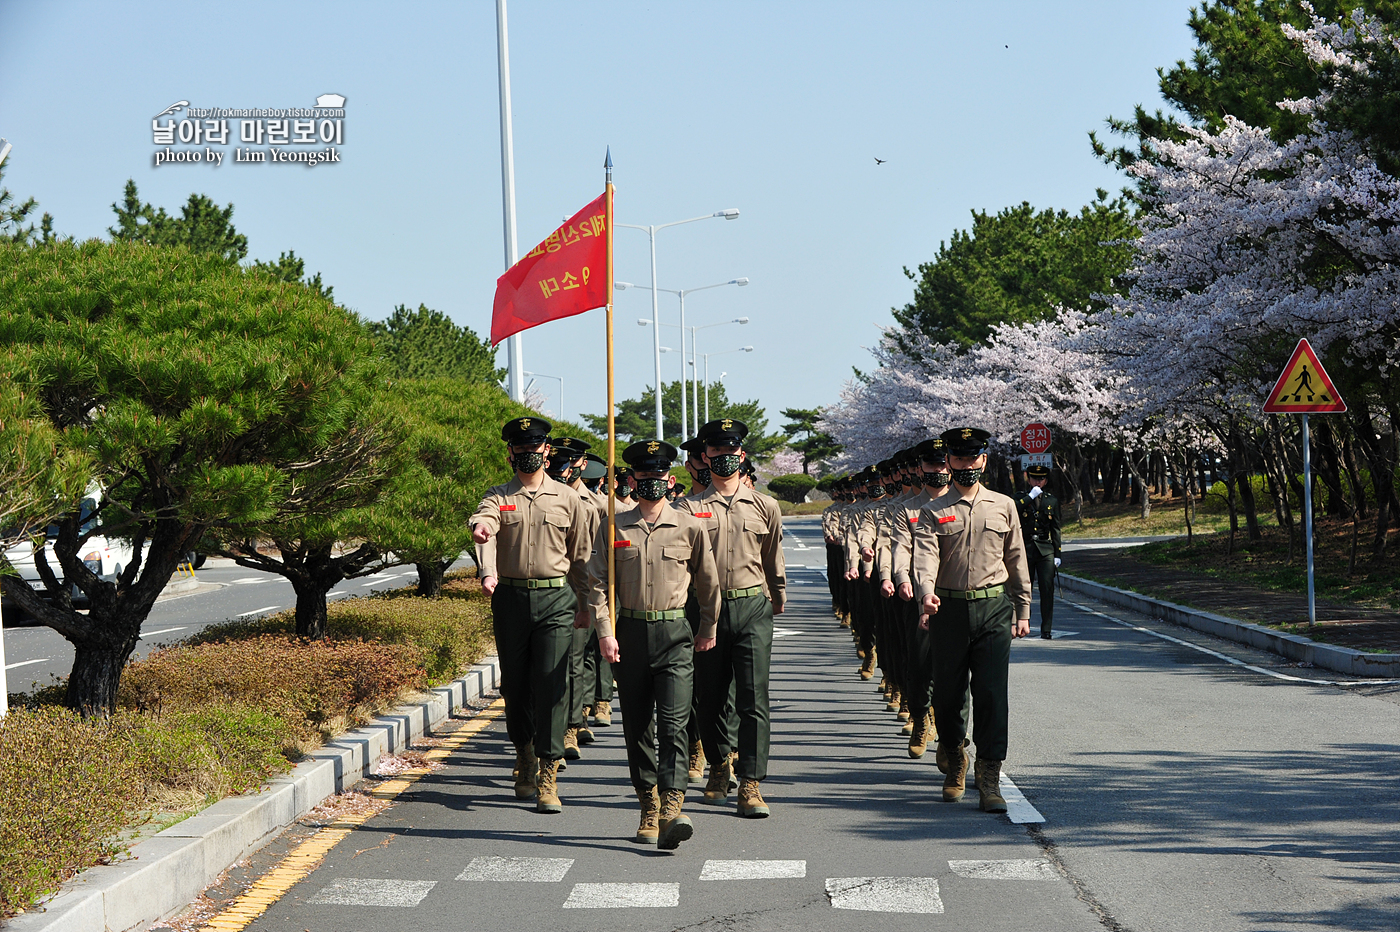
(792, 487)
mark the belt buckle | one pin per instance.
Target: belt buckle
(532, 584)
(651, 616)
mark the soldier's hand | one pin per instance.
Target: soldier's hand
(931, 603)
(850, 574)
(1022, 629)
(608, 648)
(704, 644)
(779, 608)
(581, 619)
(906, 591)
(480, 533)
(867, 554)
(887, 589)
(488, 585)
(923, 622)
(1057, 563)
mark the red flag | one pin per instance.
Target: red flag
(563, 276)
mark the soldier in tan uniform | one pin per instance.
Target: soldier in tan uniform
(859, 542)
(597, 672)
(973, 584)
(532, 545)
(746, 535)
(658, 552)
(835, 557)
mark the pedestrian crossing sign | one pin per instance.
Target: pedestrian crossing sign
(1304, 387)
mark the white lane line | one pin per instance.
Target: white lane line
(249, 581)
(786, 632)
(257, 611)
(1018, 809)
(348, 892)
(25, 663)
(151, 634)
(752, 870)
(1235, 661)
(337, 592)
(885, 894)
(518, 870)
(623, 895)
(1013, 869)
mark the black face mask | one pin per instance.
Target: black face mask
(527, 463)
(653, 490)
(876, 490)
(702, 474)
(725, 465)
(967, 477)
(936, 480)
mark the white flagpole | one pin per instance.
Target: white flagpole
(515, 380)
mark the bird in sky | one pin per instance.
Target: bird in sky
(879, 161)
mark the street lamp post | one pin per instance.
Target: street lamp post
(558, 378)
(706, 357)
(651, 230)
(741, 282)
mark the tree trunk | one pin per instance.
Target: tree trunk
(1329, 467)
(1231, 485)
(430, 577)
(311, 607)
(96, 674)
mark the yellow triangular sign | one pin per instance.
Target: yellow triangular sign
(1304, 387)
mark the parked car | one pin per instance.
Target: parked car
(105, 556)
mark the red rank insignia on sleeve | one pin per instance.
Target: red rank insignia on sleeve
(507, 507)
(946, 518)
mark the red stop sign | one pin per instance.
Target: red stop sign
(1035, 438)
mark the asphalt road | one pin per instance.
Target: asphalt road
(36, 655)
(1178, 792)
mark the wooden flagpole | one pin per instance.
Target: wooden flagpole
(612, 426)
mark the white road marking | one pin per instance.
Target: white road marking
(752, 870)
(1014, 869)
(381, 577)
(623, 895)
(354, 892)
(151, 634)
(522, 870)
(257, 611)
(250, 580)
(337, 592)
(25, 663)
(1234, 661)
(1018, 809)
(885, 894)
(786, 632)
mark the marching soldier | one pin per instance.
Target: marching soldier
(859, 541)
(835, 559)
(597, 672)
(927, 476)
(1040, 528)
(659, 553)
(567, 458)
(532, 545)
(973, 585)
(746, 533)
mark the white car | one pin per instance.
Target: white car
(105, 556)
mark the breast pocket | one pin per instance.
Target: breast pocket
(993, 542)
(554, 528)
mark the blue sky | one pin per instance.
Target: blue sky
(777, 109)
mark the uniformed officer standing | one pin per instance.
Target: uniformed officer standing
(659, 552)
(746, 533)
(532, 545)
(1040, 528)
(974, 588)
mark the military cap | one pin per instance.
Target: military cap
(1038, 471)
(595, 468)
(650, 455)
(724, 432)
(526, 430)
(934, 452)
(966, 441)
(746, 468)
(693, 446)
(570, 445)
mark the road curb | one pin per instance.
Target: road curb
(1292, 646)
(166, 872)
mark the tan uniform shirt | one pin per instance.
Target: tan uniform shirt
(906, 519)
(831, 521)
(859, 534)
(746, 536)
(962, 544)
(656, 569)
(535, 535)
(890, 514)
